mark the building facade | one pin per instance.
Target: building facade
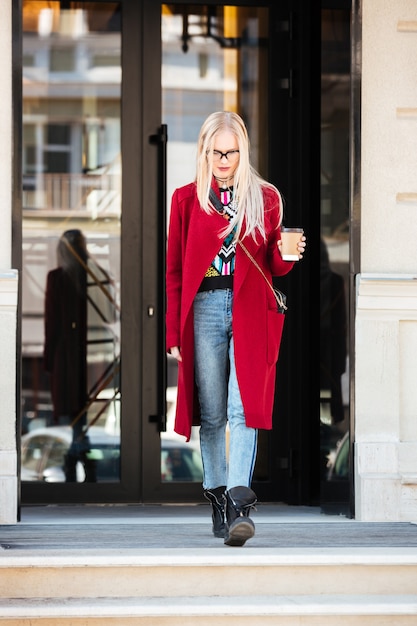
(91, 91)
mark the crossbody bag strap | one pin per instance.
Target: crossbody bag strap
(278, 295)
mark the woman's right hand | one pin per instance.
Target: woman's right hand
(176, 353)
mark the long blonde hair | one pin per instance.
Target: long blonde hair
(247, 183)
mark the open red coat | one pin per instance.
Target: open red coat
(193, 243)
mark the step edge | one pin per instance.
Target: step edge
(221, 558)
(184, 606)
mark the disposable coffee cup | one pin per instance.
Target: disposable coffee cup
(290, 238)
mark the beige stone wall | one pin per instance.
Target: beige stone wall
(386, 399)
(8, 284)
(8, 455)
(389, 136)
(386, 319)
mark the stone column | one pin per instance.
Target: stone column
(8, 283)
(386, 398)
(8, 450)
(386, 318)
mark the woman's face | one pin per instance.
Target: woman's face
(225, 155)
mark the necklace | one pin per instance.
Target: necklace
(224, 181)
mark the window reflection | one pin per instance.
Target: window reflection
(334, 266)
(80, 346)
(71, 184)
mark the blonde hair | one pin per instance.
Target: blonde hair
(247, 183)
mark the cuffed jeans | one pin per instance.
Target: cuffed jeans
(219, 394)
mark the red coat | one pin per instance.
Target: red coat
(193, 243)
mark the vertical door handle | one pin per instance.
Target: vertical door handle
(160, 139)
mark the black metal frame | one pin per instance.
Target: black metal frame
(17, 203)
(355, 212)
(129, 487)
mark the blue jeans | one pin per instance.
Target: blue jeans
(219, 395)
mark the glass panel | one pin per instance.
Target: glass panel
(71, 241)
(334, 275)
(213, 58)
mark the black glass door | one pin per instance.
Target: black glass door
(212, 57)
(114, 94)
(71, 249)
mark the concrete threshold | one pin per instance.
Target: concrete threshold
(165, 514)
(142, 528)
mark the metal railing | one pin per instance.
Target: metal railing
(97, 194)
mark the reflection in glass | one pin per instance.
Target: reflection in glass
(213, 58)
(334, 266)
(71, 241)
(80, 309)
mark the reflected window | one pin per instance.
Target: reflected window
(71, 241)
(334, 258)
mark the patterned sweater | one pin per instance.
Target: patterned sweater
(220, 273)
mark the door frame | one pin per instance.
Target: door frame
(294, 105)
(129, 487)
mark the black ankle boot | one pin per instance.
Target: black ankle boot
(216, 497)
(239, 528)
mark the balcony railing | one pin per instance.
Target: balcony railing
(96, 194)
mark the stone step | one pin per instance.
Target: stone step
(230, 572)
(171, 587)
(322, 610)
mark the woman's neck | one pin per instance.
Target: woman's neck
(224, 182)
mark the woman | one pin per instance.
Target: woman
(222, 322)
